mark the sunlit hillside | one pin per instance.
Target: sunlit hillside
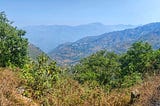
(101, 65)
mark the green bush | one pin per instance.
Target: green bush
(130, 80)
(137, 59)
(40, 76)
(87, 76)
(13, 47)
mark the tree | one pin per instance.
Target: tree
(13, 47)
(156, 60)
(137, 58)
(103, 67)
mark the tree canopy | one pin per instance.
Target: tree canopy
(13, 46)
(123, 70)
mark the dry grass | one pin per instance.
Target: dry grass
(148, 91)
(69, 92)
(8, 90)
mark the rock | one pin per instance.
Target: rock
(135, 94)
(20, 90)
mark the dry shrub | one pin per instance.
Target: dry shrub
(118, 98)
(8, 89)
(70, 93)
(148, 91)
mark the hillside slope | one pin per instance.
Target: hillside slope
(9, 92)
(10, 95)
(49, 36)
(34, 51)
(117, 41)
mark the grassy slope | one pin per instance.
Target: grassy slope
(69, 93)
(9, 95)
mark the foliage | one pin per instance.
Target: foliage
(156, 59)
(114, 71)
(137, 59)
(102, 67)
(69, 92)
(44, 81)
(13, 47)
(40, 76)
(130, 80)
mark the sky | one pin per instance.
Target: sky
(76, 12)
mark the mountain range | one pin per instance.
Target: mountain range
(117, 41)
(48, 37)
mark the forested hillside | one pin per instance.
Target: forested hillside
(101, 79)
(118, 41)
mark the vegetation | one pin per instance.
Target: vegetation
(103, 78)
(117, 41)
(116, 71)
(13, 47)
(39, 77)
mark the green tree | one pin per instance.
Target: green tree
(110, 74)
(104, 67)
(13, 47)
(156, 60)
(137, 58)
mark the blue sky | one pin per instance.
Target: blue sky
(75, 12)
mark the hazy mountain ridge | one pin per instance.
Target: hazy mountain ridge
(34, 51)
(117, 41)
(47, 37)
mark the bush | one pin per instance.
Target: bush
(40, 76)
(130, 80)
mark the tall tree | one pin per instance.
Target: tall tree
(13, 46)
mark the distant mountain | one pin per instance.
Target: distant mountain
(117, 41)
(34, 51)
(50, 36)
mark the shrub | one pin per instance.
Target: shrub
(130, 80)
(40, 76)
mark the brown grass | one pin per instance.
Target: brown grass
(8, 90)
(69, 92)
(148, 91)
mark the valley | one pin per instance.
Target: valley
(117, 41)
(79, 53)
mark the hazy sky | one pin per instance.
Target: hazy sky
(74, 12)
